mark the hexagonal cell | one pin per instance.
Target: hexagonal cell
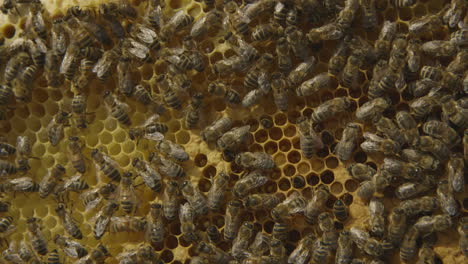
(336, 188)
(271, 147)
(279, 159)
(209, 171)
(182, 137)
(298, 182)
(290, 131)
(8, 31)
(275, 133)
(200, 160)
(261, 136)
(204, 185)
(327, 177)
(289, 170)
(284, 185)
(331, 162)
(280, 119)
(313, 179)
(294, 156)
(351, 185)
(360, 157)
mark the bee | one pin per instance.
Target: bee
(454, 112)
(422, 205)
(435, 146)
(455, 171)
(232, 219)
(52, 69)
(255, 160)
(53, 257)
(171, 200)
(462, 230)
(103, 218)
(92, 197)
(248, 182)
(350, 72)
(172, 150)
(411, 189)
(143, 96)
(330, 31)
(37, 21)
(213, 253)
(372, 111)
(106, 164)
(330, 108)
(376, 184)
(216, 129)
(186, 216)
(175, 24)
(261, 201)
(303, 251)
(344, 251)
(465, 145)
(396, 228)
(23, 146)
(75, 184)
(314, 85)
(104, 66)
(170, 96)
(78, 105)
(394, 168)
(363, 241)
(220, 89)
(233, 138)
(127, 224)
(429, 224)
(6, 149)
(315, 205)
(155, 229)
(68, 222)
(442, 131)
(125, 83)
(6, 94)
(369, 17)
(376, 144)
(277, 252)
(431, 72)
(376, 220)
(310, 141)
(136, 49)
(236, 18)
(192, 115)
(216, 193)
(320, 252)
(145, 36)
(446, 199)
(361, 172)
(213, 234)
(348, 142)
(423, 160)
(279, 86)
(4, 206)
(408, 245)
(282, 53)
(241, 242)
(424, 86)
(459, 63)
(98, 255)
(6, 225)
(293, 204)
(195, 198)
(167, 167)
(207, 23)
(298, 74)
(340, 210)
(424, 24)
(454, 14)
(15, 64)
(117, 109)
(70, 62)
(150, 176)
(460, 38)
(36, 238)
(55, 128)
(383, 43)
(439, 48)
(127, 196)
(50, 180)
(22, 184)
(75, 154)
(298, 44)
(71, 248)
(151, 129)
(409, 127)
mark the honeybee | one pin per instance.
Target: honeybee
(106, 164)
(68, 222)
(52, 68)
(78, 105)
(127, 195)
(446, 199)
(171, 200)
(214, 131)
(297, 43)
(350, 72)
(431, 72)
(22, 184)
(92, 197)
(298, 74)
(167, 167)
(232, 219)
(363, 241)
(361, 172)
(408, 245)
(248, 182)
(14, 64)
(330, 108)
(376, 184)
(53, 256)
(284, 60)
(98, 255)
(75, 155)
(150, 176)
(145, 36)
(454, 112)
(340, 210)
(172, 150)
(6, 225)
(423, 160)
(455, 171)
(192, 115)
(125, 82)
(314, 85)
(175, 24)
(376, 220)
(394, 168)
(344, 251)
(411, 189)
(155, 229)
(429, 224)
(151, 129)
(348, 142)
(70, 62)
(424, 86)
(279, 85)
(6, 94)
(462, 230)
(187, 216)
(329, 31)
(376, 144)
(195, 198)
(70, 247)
(261, 201)
(127, 224)
(442, 131)
(137, 50)
(207, 23)
(436, 147)
(422, 205)
(316, 204)
(117, 108)
(372, 111)
(460, 38)
(255, 160)
(241, 242)
(235, 18)
(170, 96)
(277, 252)
(36, 238)
(383, 43)
(103, 218)
(6, 149)
(56, 126)
(50, 180)
(216, 193)
(424, 24)
(396, 228)
(303, 250)
(4, 206)
(293, 204)
(213, 253)
(233, 138)
(439, 48)
(104, 66)
(459, 63)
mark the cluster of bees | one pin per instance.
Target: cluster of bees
(423, 147)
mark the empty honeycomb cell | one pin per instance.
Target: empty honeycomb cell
(289, 170)
(331, 162)
(261, 136)
(268, 226)
(219, 105)
(275, 133)
(465, 204)
(236, 168)
(290, 131)
(293, 116)
(307, 192)
(298, 181)
(50, 222)
(326, 96)
(114, 149)
(284, 145)
(280, 119)
(341, 92)
(419, 10)
(275, 174)
(105, 138)
(322, 153)
(174, 126)
(434, 6)
(8, 31)
(40, 95)
(390, 14)
(336, 188)
(347, 199)
(351, 185)
(38, 150)
(255, 148)
(171, 242)
(355, 94)
(110, 125)
(313, 179)
(215, 57)
(209, 171)
(307, 112)
(174, 229)
(37, 110)
(182, 137)
(200, 160)
(128, 147)
(327, 138)
(271, 147)
(253, 123)
(194, 10)
(294, 156)
(146, 72)
(303, 168)
(123, 160)
(18, 125)
(389, 192)
(270, 187)
(317, 164)
(360, 157)
(327, 177)
(120, 136)
(207, 46)
(405, 13)
(167, 256)
(279, 158)
(330, 202)
(92, 140)
(55, 95)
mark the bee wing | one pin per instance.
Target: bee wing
(22, 183)
(91, 204)
(102, 65)
(72, 249)
(174, 21)
(138, 50)
(198, 27)
(152, 119)
(68, 59)
(72, 180)
(145, 34)
(157, 16)
(178, 150)
(372, 137)
(154, 136)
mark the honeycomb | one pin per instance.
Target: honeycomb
(293, 172)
